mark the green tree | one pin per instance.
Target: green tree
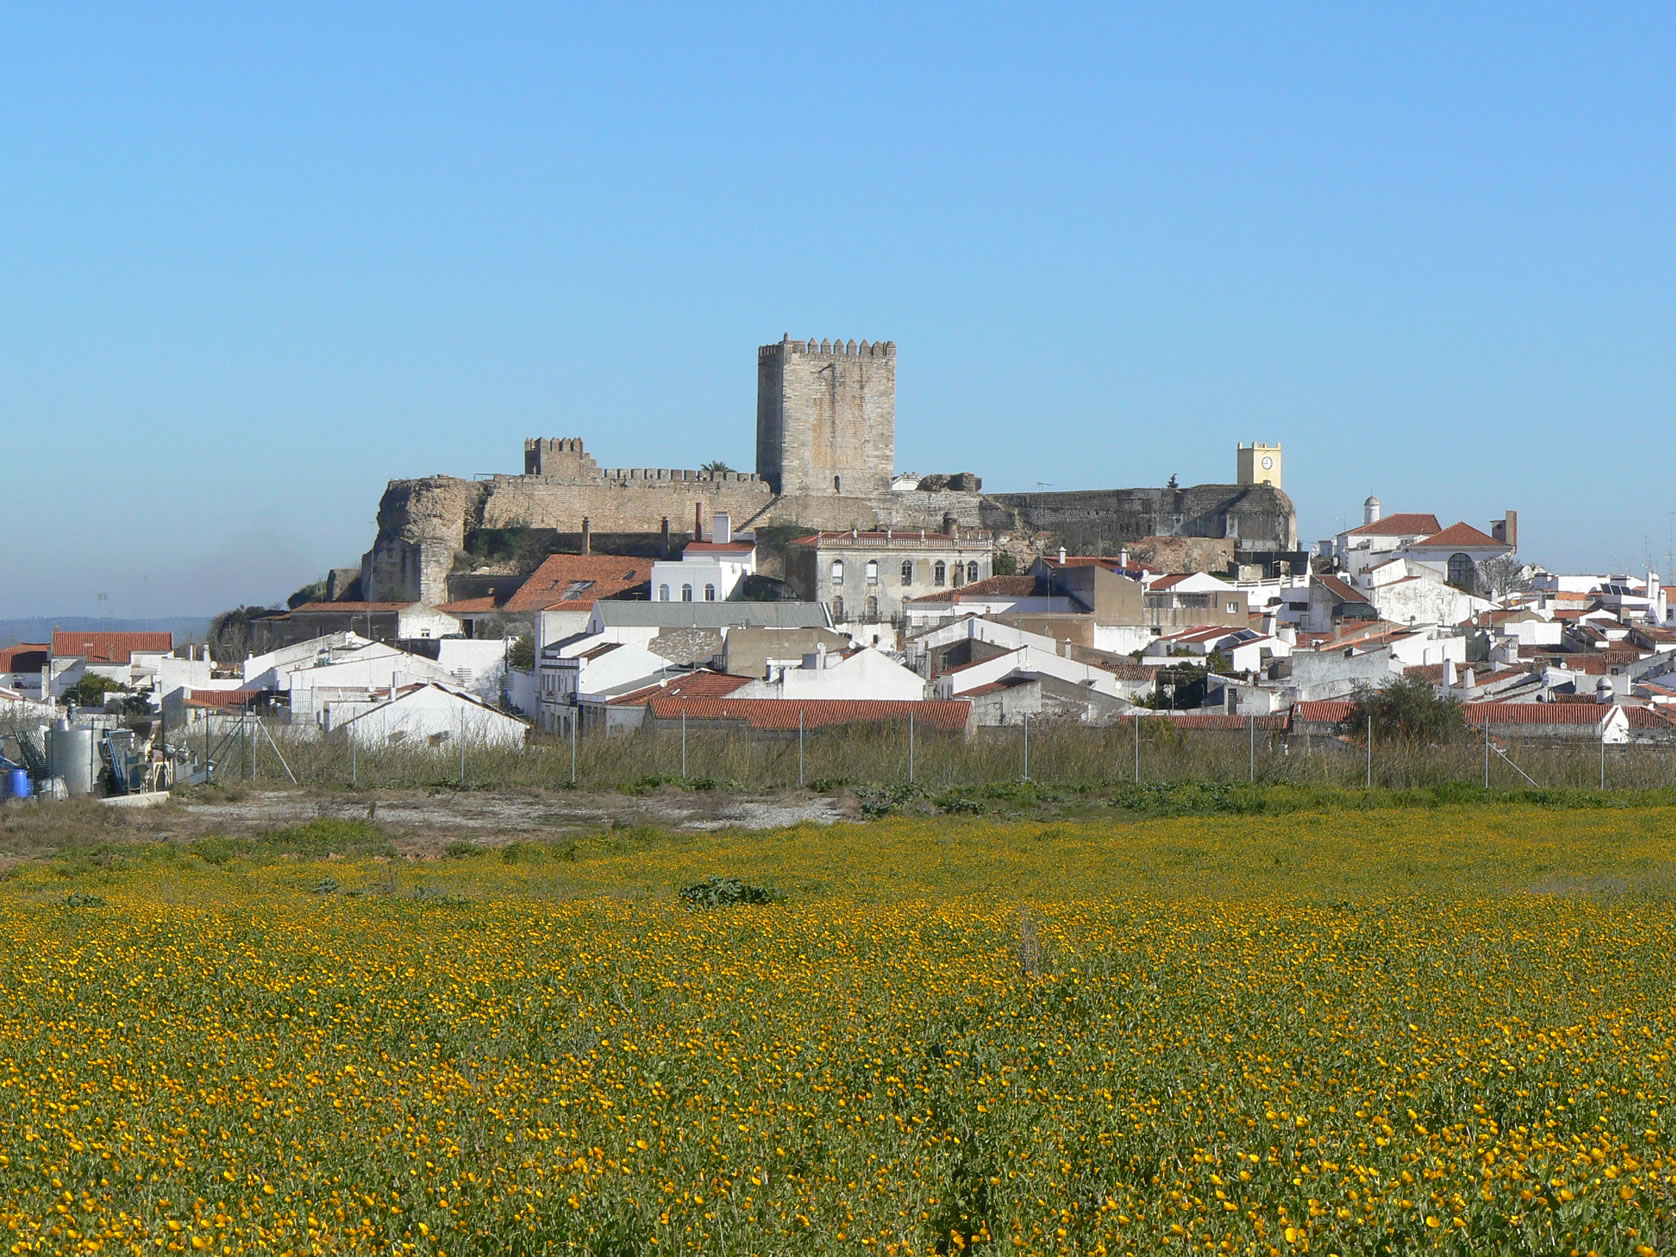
(520, 654)
(1407, 710)
(92, 689)
(715, 467)
(1006, 564)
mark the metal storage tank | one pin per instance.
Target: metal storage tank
(73, 755)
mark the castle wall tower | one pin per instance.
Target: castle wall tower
(1259, 464)
(826, 417)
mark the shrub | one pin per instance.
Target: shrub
(725, 892)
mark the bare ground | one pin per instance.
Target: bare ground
(421, 822)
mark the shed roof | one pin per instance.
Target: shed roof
(98, 647)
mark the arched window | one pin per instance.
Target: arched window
(907, 571)
(939, 573)
(837, 571)
(838, 610)
(837, 485)
(686, 593)
(971, 572)
(709, 593)
(1460, 571)
(872, 571)
(872, 608)
(663, 593)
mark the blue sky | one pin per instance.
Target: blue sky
(255, 261)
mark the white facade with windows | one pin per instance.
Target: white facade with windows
(866, 577)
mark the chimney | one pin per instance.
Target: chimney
(587, 535)
(949, 522)
(1062, 554)
(666, 536)
(698, 521)
(1123, 556)
(721, 528)
(1468, 680)
(1449, 677)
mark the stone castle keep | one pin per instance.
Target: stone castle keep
(826, 446)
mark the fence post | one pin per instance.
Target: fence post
(683, 746)
(910, 748)
(575, 720)
(1486, 752)
(800, 748)
(1251, 766)
(354, 775)
(1603, 755)
(1027, 746)
(1370, 750)
(462, 748)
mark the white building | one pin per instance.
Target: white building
(707, 571)
(857, 674)
(433, 715)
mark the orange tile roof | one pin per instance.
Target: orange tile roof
(574, 582)
(1535, 713)
(1331, 711)
(1460, 535)
(24, 657)
(720, 547)
(993, 586)
(1193, 720)
(220, 698)
(1338, 588)
(692, 685)
(1399, 525)
(469, 606)
(782, 713)
(98, 647)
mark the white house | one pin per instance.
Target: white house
(24, 667)
(1380, 538)
(1030, 659)
(430, 714)
(1407, 590)
(707, 571)
(565, 679)
(858, 674)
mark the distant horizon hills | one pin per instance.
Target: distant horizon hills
(39, 628)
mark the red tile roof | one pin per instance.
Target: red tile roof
(1190, 720)
(574, 582)
(98, 647)
(1332, 711)
(469, 606)
(1535, 713)
(1399, 525)
(24, 657)
(220, 698)
(1457, 536)
(720, 547)
(782, 713)
(692, 685)
(1340, 590)
(1648, 718)
(992, 587)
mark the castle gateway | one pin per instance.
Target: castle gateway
(826, 445)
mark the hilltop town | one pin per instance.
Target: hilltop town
(828, 586)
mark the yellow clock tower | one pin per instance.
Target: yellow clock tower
(1259, 464)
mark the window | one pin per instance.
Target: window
(686, 593)
(872, 608)
(838, 610)
(939, 573)
(971, 572)
(907, 571)
(837, 485)
(872, 571)
(1460, 571)
(1233, 608)
(709, 593)
(663, 593)
(837, 571)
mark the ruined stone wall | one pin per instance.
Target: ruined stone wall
(421, 525)
(1256, 518)
(826, 417)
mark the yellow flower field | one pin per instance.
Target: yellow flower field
(1438, 1029)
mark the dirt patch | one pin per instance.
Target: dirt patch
(421, 822)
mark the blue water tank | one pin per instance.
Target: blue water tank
(17, 784)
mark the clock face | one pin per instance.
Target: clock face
(1268, 463)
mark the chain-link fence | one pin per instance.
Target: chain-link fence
(1069, 756)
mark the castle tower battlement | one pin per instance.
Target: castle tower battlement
(826, 417)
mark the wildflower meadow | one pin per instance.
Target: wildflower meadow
(1417, 1029)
